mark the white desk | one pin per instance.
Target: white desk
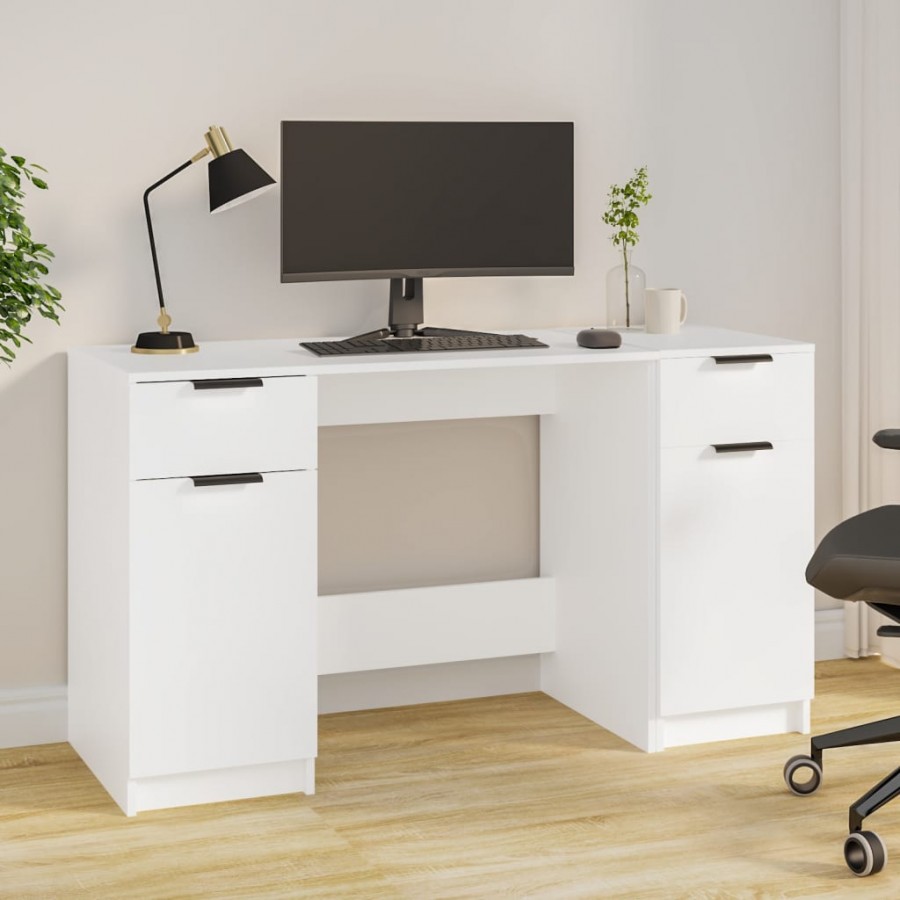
(670, 608)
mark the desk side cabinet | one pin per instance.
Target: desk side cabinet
(736, 617)
(192, 653)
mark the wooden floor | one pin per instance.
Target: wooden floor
(502, 797)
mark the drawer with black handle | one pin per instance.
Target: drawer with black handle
(735, 398)
(222, 425)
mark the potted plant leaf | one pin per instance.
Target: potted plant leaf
(23, 261)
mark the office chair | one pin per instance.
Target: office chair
(859, 560)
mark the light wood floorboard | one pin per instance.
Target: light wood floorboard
(500, 797)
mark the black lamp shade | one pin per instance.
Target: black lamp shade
(233, 178)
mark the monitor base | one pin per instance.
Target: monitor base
(427, 331)
(406, 314)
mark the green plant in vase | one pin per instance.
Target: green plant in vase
(23, 261)
(622, 214)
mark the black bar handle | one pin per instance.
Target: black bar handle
(743, 358)
(741, 448)
(236, 478)
(218, 384)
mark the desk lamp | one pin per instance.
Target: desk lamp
(233, 178)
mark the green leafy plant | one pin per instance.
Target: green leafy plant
(23, 261)
(624, 202)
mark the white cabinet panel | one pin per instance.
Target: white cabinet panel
(181, 428)
(223, 628)
(736, 615)
(705, 402)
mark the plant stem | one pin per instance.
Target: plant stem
(627, 298)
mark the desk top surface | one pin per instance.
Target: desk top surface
(285, 356)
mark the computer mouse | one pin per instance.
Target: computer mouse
(599, 338)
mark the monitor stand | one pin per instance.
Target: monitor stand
(405, 314)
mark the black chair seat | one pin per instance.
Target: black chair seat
(860, 558)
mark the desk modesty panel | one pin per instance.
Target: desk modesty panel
(196, 633)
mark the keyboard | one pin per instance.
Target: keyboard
(426, 343)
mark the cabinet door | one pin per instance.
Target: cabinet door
(736, 615)
(222, 626)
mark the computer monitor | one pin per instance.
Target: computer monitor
(413, 200)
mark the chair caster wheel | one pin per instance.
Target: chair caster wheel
(864, 853)
(802, 788)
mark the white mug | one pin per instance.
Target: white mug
(665, 310)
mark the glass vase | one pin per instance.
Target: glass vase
(625, 287)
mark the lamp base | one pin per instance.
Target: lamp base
(164, 342)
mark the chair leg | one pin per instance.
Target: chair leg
(880, 732)
(873, 799)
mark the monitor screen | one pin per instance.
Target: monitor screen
(425, 199)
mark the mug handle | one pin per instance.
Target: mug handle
(683, 308)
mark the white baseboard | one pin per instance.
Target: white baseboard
(33, 716)
(829, 634)
(39, 715)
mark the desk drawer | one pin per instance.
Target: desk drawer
(216, 426)
(733, 399)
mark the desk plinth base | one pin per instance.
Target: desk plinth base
(731, 724)
(215, 786)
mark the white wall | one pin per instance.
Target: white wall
(734, 106)
(740, 128)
